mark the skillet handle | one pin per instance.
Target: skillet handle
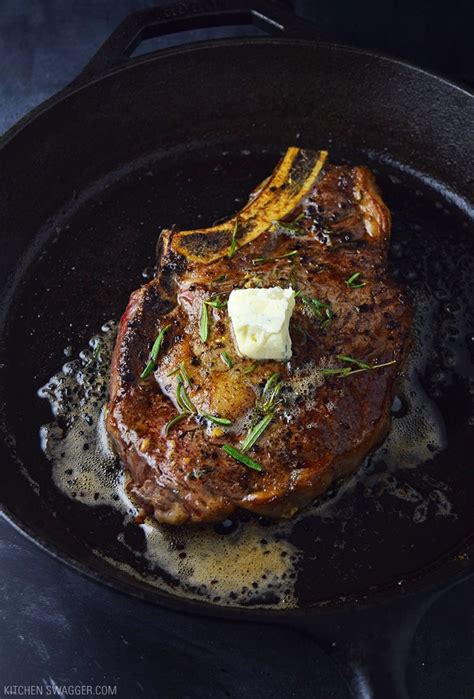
(268, 15)
(371, 646)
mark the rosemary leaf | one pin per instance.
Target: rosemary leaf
(241, 457)
(354, 281)
(227, 360)
(204, 323)
(353, 360)
(184, 375)
(259, 260)
(250, 368)
(256, 432)
(216, 303)
(233, 241)
(155, 350)
(342, 372)
(174, 421)
(182, 398)
(216, 419)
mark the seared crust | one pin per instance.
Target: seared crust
(325, 425)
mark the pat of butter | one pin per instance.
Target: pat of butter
(260, 319)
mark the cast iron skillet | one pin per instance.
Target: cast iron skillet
(79, 217)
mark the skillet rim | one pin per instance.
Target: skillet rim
(366, 600)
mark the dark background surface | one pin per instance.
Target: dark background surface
(57, 628)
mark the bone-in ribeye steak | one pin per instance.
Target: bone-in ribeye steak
(329, 410)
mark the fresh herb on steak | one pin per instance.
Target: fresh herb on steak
(216, 302)
(265, 406)
(155, 350)
(240, 456)
(227, 360)
(233, 241)
(204, 323)
(198, 473)
(182, 398)
(320, 309)
(259, 260)
(290, 227)
(353, 360)
(256, 432)
(174, 421)
(269, 398)
(342, 372)
(354, 281)
(216, 419)
(220, 278)
(184, 375)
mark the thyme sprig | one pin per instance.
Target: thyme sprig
(154, 352)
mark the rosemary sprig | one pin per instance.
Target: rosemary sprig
(259, 260)
(241, 457)
(174, 421)
(268, 400)
(220, 278)
(250, 368)
(182, 398)
(353, 360)
(216, 419)
(181, 370)
(227, 360)
(354, 281)
(265, 406)
(233, 240)
(216, 302)
(204, 323)
(153, 356)
(342, 372)
(256, 432)
(184, 375)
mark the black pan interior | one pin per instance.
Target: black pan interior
(105, 169)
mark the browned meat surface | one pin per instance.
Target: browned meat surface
(325, 422)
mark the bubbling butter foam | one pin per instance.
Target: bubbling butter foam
(235, 564)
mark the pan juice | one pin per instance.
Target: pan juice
(240, 562)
